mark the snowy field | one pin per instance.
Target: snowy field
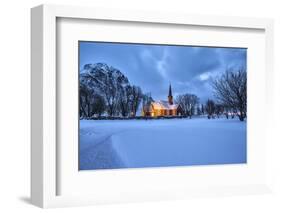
(157, 143)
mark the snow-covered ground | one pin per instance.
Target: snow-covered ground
(155, 143)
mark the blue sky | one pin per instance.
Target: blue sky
(189, 69)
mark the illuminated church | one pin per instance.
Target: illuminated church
(162, 108)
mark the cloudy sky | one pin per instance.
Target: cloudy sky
(189, 69)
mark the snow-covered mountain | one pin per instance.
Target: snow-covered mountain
(102, 78)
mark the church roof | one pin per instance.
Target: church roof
(164, 105)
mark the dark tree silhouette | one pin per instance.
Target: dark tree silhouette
(136, 97)
(125, 101)
(210, 108)
(84, 99)
(219, 109)
(202, 109)
(90, 103)
(198, 110)
(231, 91)
(98, 105)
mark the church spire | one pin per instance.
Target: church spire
(170, 96)
(170, 90)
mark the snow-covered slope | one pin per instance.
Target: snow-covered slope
(156, 143)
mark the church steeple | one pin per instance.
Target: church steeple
(170, 96)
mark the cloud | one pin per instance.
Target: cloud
(205, 76)
(162, 64)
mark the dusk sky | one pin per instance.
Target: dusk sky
(189, 69)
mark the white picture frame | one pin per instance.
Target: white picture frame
(45, 168)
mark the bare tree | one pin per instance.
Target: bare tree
(111, 94)
(98, 105)
(210, 108)
(136, 97)
(227, 111)
(231, 91)
(125, 100)
(90, 103)
(146, 99)
(202, 109)
(219, 109)
(84, 101)
(187, 103)
(198, 110)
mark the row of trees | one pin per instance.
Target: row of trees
(230, 91)
(213, 109)
(95, 104)
(189, 106)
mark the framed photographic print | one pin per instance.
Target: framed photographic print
(157, 108)
(130, 106)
